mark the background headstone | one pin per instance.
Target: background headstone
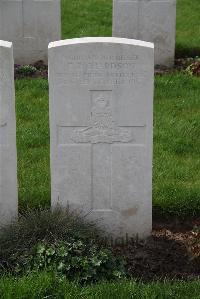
(148, 20)
(8, 156)
(101, 107)
(30, 25)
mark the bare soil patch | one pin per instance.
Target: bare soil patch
(172, 252)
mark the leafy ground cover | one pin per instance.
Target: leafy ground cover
(64, 242)
(60, 241)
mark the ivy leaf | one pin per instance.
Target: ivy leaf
(40, 249)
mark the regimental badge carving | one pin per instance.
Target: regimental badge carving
(102, 128)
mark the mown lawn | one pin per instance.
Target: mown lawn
(86, 18)
(33, 142)
(45, 285)
(94, 18)
(188, 28)
(176, 181)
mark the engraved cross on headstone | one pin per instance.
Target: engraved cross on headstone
(102, 133)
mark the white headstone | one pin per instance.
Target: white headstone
(31, 25)
(101, 107)
(8, 156)
(148, 20)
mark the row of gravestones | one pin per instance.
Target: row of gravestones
(32, 24)
(101, 131)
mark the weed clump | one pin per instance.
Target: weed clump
(59, 241)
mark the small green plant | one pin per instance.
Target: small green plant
(26, 70)
(75, 260)
(61, 241)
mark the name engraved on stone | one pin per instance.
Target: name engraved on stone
(100, 70)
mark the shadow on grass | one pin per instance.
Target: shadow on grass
(182, 52)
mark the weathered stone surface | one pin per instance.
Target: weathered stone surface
(149, 20)
(31, 25)
(101, 106)
(8, 156)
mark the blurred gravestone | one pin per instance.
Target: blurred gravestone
(149, 20)
(101, 107)
(30, 25)
(8, 156)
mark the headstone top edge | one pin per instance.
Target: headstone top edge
(5, 44)
(93, 40)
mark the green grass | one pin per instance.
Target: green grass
(45, 285)
(86, 18)
(176, 144)
(188, 28)
(94, 18)
(33, 143)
